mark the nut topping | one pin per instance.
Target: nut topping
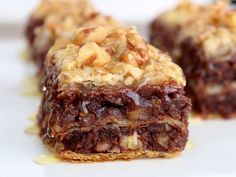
(115, 56)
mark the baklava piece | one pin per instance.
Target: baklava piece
(108, 95)
(208, 59)
(54, 18)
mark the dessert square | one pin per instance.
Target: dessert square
(204, 46)
(109, 95)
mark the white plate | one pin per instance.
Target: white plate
(213, 156)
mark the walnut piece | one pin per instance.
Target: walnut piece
(57, 7)
(131, 142)
(85, 35)
(92, 54)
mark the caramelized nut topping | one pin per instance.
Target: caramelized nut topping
(115, 56)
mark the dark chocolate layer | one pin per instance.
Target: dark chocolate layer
(161, 137)
(88, 111)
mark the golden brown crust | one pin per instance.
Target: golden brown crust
(100, 157)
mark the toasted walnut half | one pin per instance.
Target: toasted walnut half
(85, 35)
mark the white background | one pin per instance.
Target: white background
(215, 140)
(18, 10)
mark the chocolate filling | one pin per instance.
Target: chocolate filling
(156, 137)
(79, 118)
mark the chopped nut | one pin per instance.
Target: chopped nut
(98, 35)
(102, 147)
(138, 44)
(73, 7)
(131, 142)
(129, 80)
(130, 58)
(163, 140)
(135, 72)
(115, 149)
(83, 36)
(92, 54)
